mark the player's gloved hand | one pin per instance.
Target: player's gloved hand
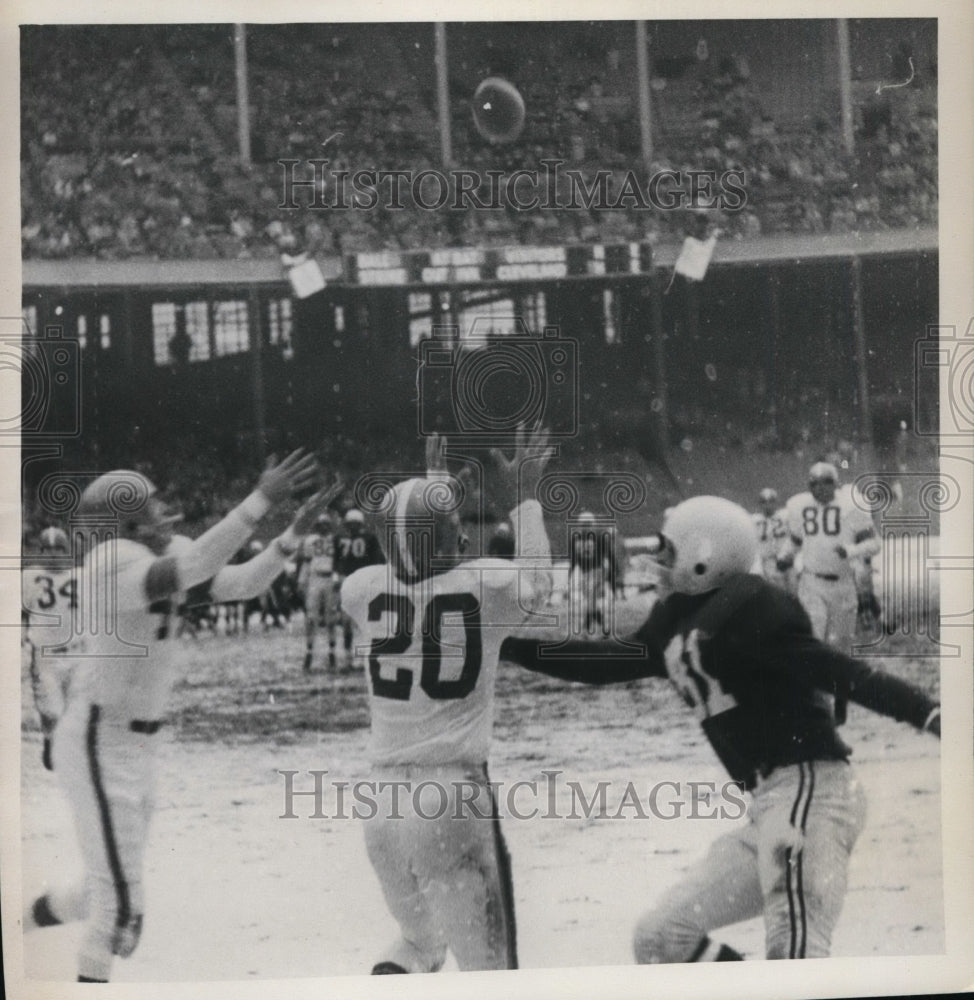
(281, 480)
(516, 480)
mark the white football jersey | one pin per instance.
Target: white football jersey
(318, 554)
(50, 597)
(432, 649)
(770, 531)
(123, 659)
(821, 527)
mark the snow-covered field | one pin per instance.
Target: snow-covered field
(235, 892)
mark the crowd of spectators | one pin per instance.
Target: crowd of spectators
(135, 156)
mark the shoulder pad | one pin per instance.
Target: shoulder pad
(126, 552)
(179, 545)
(363, 580)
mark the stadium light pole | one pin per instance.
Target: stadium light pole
(255, 338)
(243, 92)
(845, 85)
(642, 73)
(862, 358)
(443, 96)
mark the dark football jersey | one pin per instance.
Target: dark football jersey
(745, 659)
(356, 551)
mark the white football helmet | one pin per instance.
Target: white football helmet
(768, 499)
(704, 541)
(131, 499)
(53, 540)
(823, 479)
(419, 528)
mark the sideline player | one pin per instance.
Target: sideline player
(592, 576)
(742, 654)
(319, 588)
(434, 624)
(834, 534)
(50, 595)
(769, 522)
(355, 548)
(105, 742)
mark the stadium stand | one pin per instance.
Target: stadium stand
(134, 156)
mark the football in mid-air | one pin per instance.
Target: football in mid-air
(498, 110)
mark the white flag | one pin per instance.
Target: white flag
(695, 257)
(305, 277)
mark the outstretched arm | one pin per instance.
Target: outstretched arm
(585, 662)
(514, 483)
(241, 582)
(140, 584)
(870, 687)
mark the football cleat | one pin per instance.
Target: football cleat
(704, 541)
(388, 969)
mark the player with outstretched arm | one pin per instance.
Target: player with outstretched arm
(105, 742)
(743, 655)
(432, 625)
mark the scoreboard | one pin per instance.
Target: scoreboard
(472, 266)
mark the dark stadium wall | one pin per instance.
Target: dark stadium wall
(760, 359)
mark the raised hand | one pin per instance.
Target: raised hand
(296, 473)
(312, 508)
(435, 456)
(515, 480)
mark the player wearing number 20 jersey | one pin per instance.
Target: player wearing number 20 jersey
(431, 634)
(742, 654)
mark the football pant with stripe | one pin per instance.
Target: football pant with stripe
(447, 881)
(832, 606)
(789, 862)
(107, 773)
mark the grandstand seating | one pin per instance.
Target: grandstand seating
(133, 156)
